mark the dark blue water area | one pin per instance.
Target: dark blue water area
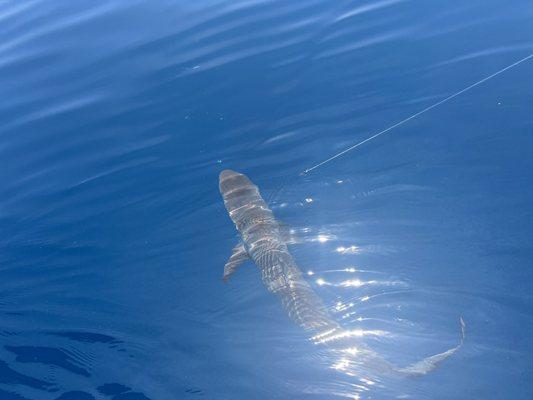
(116, 119)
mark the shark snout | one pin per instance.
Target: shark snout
(228, 180)
(231, 181)
(227, 174)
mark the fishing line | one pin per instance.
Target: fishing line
(397, 124)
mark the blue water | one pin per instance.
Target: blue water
(116, 119)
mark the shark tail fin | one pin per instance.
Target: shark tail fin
(428, 364)
(238, 256)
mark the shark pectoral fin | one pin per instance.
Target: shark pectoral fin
(238, 256)
(428, 364)
(289, 235)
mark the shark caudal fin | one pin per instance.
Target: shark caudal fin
(428, 364)
(238, 256)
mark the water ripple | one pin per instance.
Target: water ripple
(118, 117)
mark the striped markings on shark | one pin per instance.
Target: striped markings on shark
(264, 241)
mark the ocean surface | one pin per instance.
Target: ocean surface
(117, 118)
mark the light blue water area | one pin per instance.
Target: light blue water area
(116, 119)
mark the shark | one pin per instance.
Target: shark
(264, 241)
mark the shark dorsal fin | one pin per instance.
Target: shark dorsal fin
(238, 256)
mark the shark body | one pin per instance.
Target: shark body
(263, 242)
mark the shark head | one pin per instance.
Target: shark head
(229, 179)
(243, 201)
(236, 189)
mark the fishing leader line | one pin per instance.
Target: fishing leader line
(403, 121)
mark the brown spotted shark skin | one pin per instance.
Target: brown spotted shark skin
(263, 242)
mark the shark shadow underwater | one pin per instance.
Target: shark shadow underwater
(265, 244)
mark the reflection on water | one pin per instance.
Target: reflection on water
(348, 250)
(350, 355)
